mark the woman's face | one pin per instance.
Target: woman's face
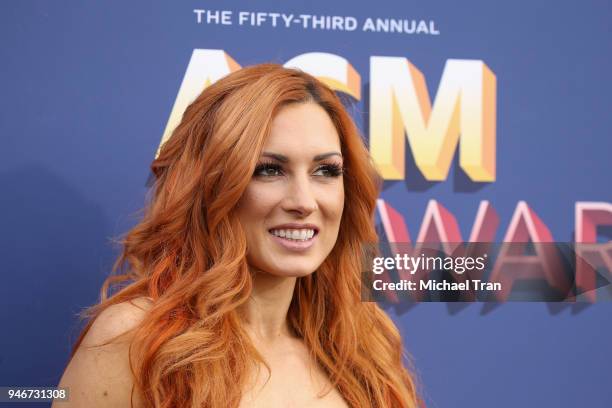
(292, 207)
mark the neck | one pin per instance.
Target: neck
(266, 310)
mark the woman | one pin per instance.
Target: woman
(240, 286)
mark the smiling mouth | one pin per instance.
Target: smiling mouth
(294, 240)
(294, 235)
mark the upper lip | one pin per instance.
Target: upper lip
(294, 225)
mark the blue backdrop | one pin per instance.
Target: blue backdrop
(87, 88)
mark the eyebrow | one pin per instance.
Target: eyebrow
(284, 159)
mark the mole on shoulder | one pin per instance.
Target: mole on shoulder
(105, 393)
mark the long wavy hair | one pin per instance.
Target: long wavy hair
(188, 254)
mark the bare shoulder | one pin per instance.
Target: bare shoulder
(117, 320)
(99, 373)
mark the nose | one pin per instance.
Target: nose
(299, 197)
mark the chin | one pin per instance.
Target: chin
(293, 270)
(293, 267)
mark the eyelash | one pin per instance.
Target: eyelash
(334, 170)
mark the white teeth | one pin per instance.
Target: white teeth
(294, 234)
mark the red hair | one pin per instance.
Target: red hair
(188, 254)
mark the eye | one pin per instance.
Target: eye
(329, 170)
(268, 170)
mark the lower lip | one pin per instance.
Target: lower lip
(292, 245)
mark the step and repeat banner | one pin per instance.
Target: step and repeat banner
(489, 122)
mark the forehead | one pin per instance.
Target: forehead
(302, 129)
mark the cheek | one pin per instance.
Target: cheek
(256, 203)
(334, 204)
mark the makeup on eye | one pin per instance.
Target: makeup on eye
(331, 169)
(275, 169)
